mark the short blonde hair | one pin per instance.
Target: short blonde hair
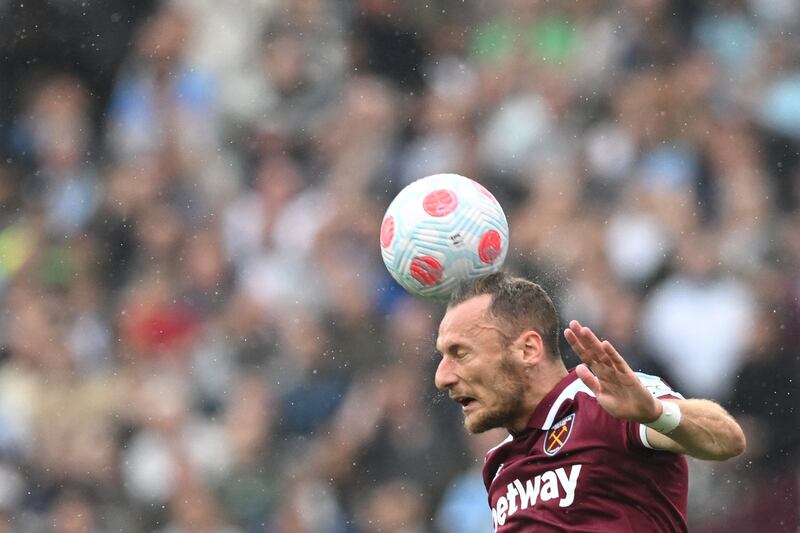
(519, 304)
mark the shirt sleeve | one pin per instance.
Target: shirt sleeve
(637, 433)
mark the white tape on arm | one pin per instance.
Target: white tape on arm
(670, 418)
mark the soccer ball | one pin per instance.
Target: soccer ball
(440, 230)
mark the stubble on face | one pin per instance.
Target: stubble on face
(508, 389)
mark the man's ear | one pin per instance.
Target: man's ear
(531, 346)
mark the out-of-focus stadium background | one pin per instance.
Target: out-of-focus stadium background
(197, 330)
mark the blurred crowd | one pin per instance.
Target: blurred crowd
(197, 333)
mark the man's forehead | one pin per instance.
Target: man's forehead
(466, 316)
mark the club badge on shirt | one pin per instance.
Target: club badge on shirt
(557, 436)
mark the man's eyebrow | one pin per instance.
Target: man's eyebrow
(453, 347)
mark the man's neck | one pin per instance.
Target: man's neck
(541, 381)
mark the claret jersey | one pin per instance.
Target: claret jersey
(577, 468)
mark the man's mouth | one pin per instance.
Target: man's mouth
(465, 401)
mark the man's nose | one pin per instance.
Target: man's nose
(445, 374)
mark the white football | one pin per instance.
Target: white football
(440, 230)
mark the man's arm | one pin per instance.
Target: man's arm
(705, 431)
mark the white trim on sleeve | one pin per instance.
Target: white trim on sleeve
(643, 436)
(657, 387)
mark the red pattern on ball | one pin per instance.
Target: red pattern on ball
(440, 202)
(387, 231)
(489, 246)
(426, 269)
(484, 190)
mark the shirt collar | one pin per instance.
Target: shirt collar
(539, 416)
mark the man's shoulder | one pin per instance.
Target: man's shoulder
(658, 387)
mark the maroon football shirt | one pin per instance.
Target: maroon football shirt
(577, 468)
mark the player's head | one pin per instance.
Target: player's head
(517, 305)
(497, 329)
